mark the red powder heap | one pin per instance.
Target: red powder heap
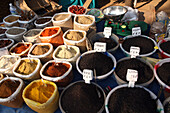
(20, 48)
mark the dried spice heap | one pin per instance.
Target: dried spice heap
(4, 43)
(165, 47)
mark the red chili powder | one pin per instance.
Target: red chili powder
(8, 87)
(49, 32)
(20, 48)
(56, 70)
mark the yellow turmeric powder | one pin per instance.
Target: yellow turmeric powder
(39, 92)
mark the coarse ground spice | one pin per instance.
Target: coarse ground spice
(4, 43)
(20, 48)
(42, 20)
(40, 49)
(131, 100)
(164, 73)
(8, 87)
(98, 61)
(49, 32)
(60, 17)
(15, 31)
(2, 31)
(146, 45)
(82, 98)
(11, 19)
(145, 73)
(110, 44)
(32, 33)
(167, 107)
(56, 69)
(165, 47)
(84, 19)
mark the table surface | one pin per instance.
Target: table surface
(109, 81)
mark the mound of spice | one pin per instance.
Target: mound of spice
(131, 100)
(20, 48)
(39, 92)
(110, 43)
(82, 98)
(26, 66)
(61, 17)
(15, 31)
(42, 20)
(49, 32)
(40, 49)
(98, 61)
(145, 73)
(164, 73)
(146, 45)
(56, 69)
(32, 33)
(6, 62)
(8, 87)
(167, 107)
(65, 53)
(2, 31)
(84, 19)
(165, 46)
(77, 9)
(4, 43)
(11, 19)
(74, 35)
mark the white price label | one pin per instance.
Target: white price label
(131, 76)
(136, 31)
(134, 51)
(87, 75)
(107, 32)
(100, 46)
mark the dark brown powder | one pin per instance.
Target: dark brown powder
(98, 61)
(145, 44)
(82, 98)
(165, 47)
(145, 73)
(8, 87)
(42, 20)
(164, 73)
(4, 43)
(131, 100)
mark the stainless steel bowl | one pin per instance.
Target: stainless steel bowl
(114, 13)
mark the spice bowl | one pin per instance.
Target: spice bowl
(66, 53)
(7, 63)
(11, 20)
(41, 96)
(83, 97)
(77, 8)
(27, 68)
(43, 51)
(105, 68)
(52, 35)
(148, 48)
(99, 37)
(20, 49)
(6, 43)
(32, 36)
(164, 52)
(43, 22)
(16, 33)
(59, 72)
(151, 96)
(144, 68)
(79, 40)
(14, 99)
(160, 76)
(82, 25)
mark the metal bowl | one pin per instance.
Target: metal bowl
(114, 13)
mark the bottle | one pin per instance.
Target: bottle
(12, 9)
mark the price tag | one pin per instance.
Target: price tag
(134, 51)
(136, 31)
(87, 75)
(100, 46)
(131, 76)
(107, 32)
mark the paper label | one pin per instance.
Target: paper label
(100, 46)
(131, 76)
(87, 75)
(134, 51)
(136, 31)
(107, 32)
